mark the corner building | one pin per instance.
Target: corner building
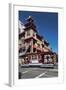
(33, 48)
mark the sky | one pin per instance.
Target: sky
(46, 25)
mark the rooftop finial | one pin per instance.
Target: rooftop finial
(30, 19)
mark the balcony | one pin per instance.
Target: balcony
(48, 48)
(42, 49)
(24, 49)
(38, 48)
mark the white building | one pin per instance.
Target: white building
(20, 26)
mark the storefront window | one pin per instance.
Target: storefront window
(34, 56)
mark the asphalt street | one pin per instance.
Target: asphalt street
(36, 72)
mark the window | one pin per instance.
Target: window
(28, 49)
(34, 34)
(38, 45)
(23, 49)
(34, 56)
(23, 42)
(28, 33)
(42, 45)
(34, 49)
(20, 50)
(19, 30)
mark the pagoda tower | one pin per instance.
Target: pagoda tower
(30, 24)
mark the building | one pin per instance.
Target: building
(33, 48)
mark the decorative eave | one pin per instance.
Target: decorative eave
(45, 42)
(30, 38)
(35, 53)
(28, 28)
(30, 25)
(38, 36)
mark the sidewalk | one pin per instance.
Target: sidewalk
(38, 65)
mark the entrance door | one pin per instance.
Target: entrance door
(34, 59)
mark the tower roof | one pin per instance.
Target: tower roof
(30, 24)
(30, 19)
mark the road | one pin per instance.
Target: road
(36, 72)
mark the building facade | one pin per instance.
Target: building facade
(33, 48)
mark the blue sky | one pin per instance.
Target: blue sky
(47, 25)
